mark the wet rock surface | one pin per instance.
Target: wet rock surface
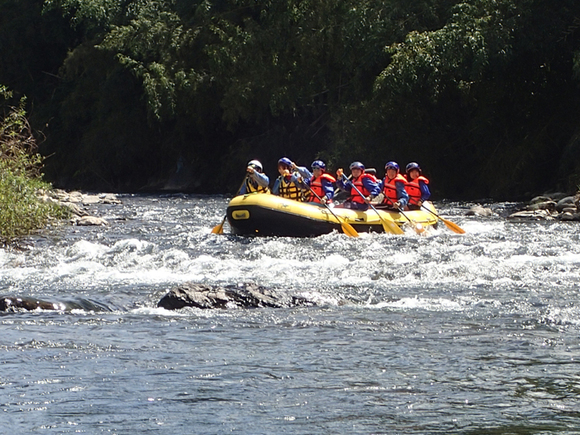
(556, 206)
(235, 296)
(18, 303)
(78, 203)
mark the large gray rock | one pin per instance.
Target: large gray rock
(240, 296)
(567, 202)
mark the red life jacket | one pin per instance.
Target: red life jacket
(390, 188)
(414, 189)
(316, 186)
(358, 183)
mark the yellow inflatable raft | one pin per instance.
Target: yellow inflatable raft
(258, 214)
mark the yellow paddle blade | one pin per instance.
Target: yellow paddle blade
(219, 229)
(348, 229)
(453, 226)
(391, 227)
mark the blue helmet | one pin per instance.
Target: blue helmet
(357, 165)
(392, 165)
(318, 164)
(412, 165)
(285, 161)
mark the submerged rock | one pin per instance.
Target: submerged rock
(240, 296)
(16, 303)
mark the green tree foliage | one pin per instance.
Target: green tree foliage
(491, 91)
(467, 88)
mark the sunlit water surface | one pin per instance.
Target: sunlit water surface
(444, 333)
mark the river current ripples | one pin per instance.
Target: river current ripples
(437, 334)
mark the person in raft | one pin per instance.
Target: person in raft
(365, 183)
(256, 180)
(290, 183)
(393, 188)
(321, 183)
(417, 186)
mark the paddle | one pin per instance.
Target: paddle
(347, 228)
(219, 229)
(389, 227)
(451, 225)
(418, 228)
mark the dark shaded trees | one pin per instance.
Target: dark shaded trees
(482, 93)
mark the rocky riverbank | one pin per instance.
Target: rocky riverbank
(80, 204)
(557, 206)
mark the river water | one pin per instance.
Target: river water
(437, 334)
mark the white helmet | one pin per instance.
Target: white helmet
(256, 165)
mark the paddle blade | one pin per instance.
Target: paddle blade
(219, 229)
(453, 226)
(391, 227)
(348, 229)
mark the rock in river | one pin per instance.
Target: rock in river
(235, 296)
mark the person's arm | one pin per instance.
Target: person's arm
(425, 192)
(262, 179)
(372, 187)
(304, 172)
(328, 189)
(402, 195)
(276, 188)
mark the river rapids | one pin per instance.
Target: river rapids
(414, 334)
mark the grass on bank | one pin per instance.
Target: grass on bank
(22, 211)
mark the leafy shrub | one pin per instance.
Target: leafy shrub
(21, 209)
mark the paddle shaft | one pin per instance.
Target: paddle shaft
(383, 221)
(413, 223)
(349, 227)
(219, 229)
(451, 225)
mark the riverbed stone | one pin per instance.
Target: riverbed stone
(91, 221)
(235, 296)
(541, 214)
(546, 205)
(478, 210)
(541, 198)
(21, 303)
(567, 216)
(565, 203)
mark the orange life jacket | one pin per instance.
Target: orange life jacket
(316, 186)
(390, 188)
(414, 189)
(358, 183)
